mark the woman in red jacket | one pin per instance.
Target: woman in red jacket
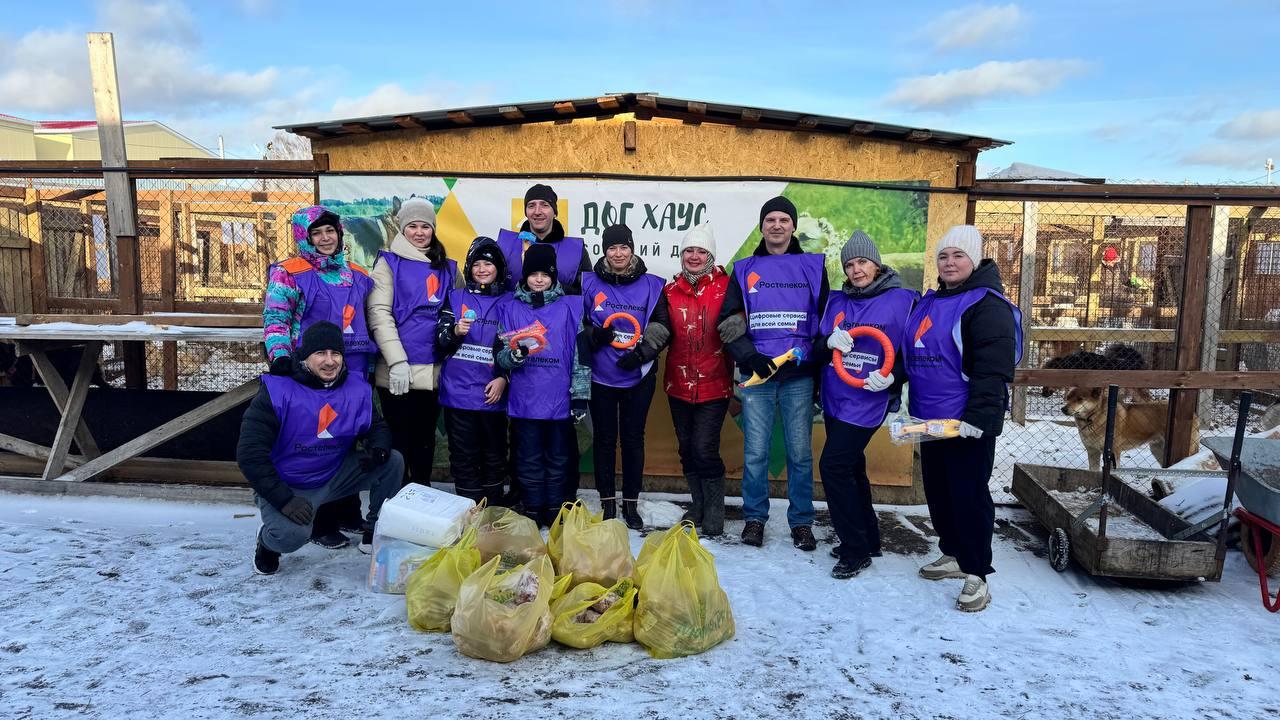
(699, 380)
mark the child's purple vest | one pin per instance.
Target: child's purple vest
(343, 306)
(886, 312)
(569, 252)
(470, 367)
(600, 300)
(540, 388)
(317, 427)
(780, 293)
(933, 353)
(420, 292)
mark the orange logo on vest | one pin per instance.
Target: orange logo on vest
(327, 416)
(348, 314)
(433, 284)
(925, 324)
(752, 278)
(599, 301)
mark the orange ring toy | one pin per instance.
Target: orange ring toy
(541, 340)
(635, 336)
(837, 357)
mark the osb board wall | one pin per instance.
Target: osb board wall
(662, 148)
(945, 210)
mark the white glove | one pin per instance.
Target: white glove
(399, 377)
(969, 431)
(875, 382)
(840, 340)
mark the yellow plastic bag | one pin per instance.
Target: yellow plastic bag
(504, 532)
(682, 609)
(561, 586)
(580, 623)
(432, 590)
(591, 549)
(501, 616)
(651, 544)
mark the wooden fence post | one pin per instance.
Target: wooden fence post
(39, 267)
(1189, 339)
(1026, 297)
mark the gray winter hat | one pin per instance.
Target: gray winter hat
(416, 209)
(859, 245)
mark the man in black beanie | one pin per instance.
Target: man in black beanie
(540, 210)
(297, 446)
(773, 304)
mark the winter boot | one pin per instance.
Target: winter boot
(694, 513)
(941, 569)
(975, 595)
(753, 533)
(631, 514)
(835, 552)
(846, 569)
(712, 507)
(331, 540)
(366, 539)
(609, 507)
(802, 537)
(265, 560)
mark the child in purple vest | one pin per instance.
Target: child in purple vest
(411, 285)
(297, 446)
(961, 344)
(872, 295)
(622, 379)
(472, 388)
(549, 386)
(319, 283)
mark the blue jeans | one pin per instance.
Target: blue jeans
(760, 405)
(542, 461)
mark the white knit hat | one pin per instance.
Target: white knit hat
(700, 237)
(416, 209)
(965, 237)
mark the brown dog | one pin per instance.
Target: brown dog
(1137, 424)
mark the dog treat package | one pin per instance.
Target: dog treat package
(502, 616)
(906, 430)
(682, 610)
(432, 591)
(591, 614)
(505, 533)
(591, 549)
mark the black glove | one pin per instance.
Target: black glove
(578, 410)
(630, 361)
(374, 457)
(601, 336)
(282, 365)
(298, 510)
(761, 365)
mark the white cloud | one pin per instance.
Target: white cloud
(391, 98)
(974, 25)
(1234, 156)
(957, 88)
(1255, 125)
(44, 72)
(134, 18)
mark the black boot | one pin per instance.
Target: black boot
(265, 560)
(631, 514)
(694, 513)
(712, 507)
(609, 508)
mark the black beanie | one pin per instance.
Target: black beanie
(541, 192)
(329, 218)
(617, 235)
(484, 248)
(540, 257)
(778, 204)
(324, 335)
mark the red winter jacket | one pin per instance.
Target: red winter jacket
(698, 368)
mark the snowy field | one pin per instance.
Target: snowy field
(150, 609)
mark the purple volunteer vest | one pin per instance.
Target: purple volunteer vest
(540, 388)
(344, 307)
(600, 300)
(886, 312)
(470, 367)
(569, 253)
(420, 293)
(317, 427)
(933, 353)
(780, 293)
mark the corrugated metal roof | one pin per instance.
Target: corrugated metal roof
(644, 105)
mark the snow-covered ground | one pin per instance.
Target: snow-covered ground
(150, 609)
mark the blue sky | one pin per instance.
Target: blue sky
(1167, 91)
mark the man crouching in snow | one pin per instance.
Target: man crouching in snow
(296, 446)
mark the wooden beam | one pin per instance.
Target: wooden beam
(565, 108)
(319, 163)
(697, 108)
(629, 136)
(1187, 346)
(511, 112)
(58, 392)
(1026, 297)
(1156, 379)
(142, 469)
(750, 115)
(1261, 196)
(310, 133)
(357, 128)
(966, 173)
(208, 320)
(919, 135)
(28, 449)
(106, 105)
(862, 128)
(647, 101)
(807, 122)
(1216, 289)
(976, 144)
(461, 117)
(608, 102)
(409, 121)
(71, 412)
(38, 267)
(165, 432)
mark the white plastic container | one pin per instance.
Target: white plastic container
(392, 561)
(424, 516)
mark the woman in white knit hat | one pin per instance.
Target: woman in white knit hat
(962, 342)
(411, 283)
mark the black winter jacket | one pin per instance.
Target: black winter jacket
(260, 427)
(990, 345)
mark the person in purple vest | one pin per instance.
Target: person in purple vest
(549, 386)
(960, 346)
(297, 446)
(320, 283)
(622, 379)
(541, 223)
(472, 388)
(411, 285)
(872, 295)
(781, 290)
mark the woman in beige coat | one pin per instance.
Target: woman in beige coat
(411, 283)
